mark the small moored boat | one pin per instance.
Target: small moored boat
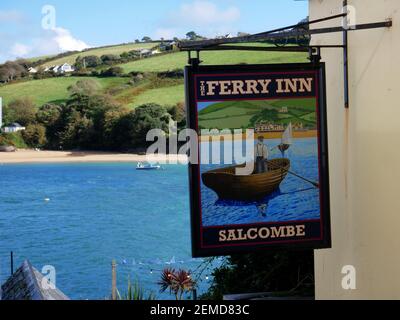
(230, 186)
(141, 166)
(7, 149)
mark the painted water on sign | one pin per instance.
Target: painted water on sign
(78, 217)
(295, 199)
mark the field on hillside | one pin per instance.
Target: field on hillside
(149, 89)
(245, 114)
(50, 90)
(101, 51)
(163, 96)
(178, 60)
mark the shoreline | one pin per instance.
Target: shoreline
(265, 135)
(31, 156)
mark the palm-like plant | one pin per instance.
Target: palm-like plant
(135, 292)
(178, 282)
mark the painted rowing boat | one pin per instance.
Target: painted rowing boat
(228, 185)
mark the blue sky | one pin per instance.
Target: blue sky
(84, 23)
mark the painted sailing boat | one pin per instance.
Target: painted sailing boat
(286, 139)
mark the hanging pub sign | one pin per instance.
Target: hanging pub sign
(259, 172)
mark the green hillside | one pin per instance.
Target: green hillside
(101, 51)
(179, 59)
(50, 90)
(164, 96)
(149, 89)
(246, 114)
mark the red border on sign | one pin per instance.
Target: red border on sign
(321, 222)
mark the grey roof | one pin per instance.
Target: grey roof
(15, 124)
(25, 284)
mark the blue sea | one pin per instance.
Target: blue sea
(296, 199)
(79, 217)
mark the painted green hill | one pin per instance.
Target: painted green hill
(246, 114)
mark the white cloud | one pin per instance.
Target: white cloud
(52, 41)
(206, 13)
(66, 41)
(20, 50)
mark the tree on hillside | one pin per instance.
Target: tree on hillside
(13, 70)
(110, 58)
(146, 39)
(77, 132)
(144, 118)
(22, 110)
(191, 35)
(87, 62)
(178, 114)
(35, 135)
(112, 72)
(50, 116)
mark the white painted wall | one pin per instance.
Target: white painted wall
(364, 146)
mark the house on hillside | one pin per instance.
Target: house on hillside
(145, 53)
(65, 68)
(14, 127)
(168, 46)
(32, 70)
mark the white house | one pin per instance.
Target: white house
(145, 52)
(32, 70)
(14, 127)
(66, 67)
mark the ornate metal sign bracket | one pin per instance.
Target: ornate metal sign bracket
(297, 34)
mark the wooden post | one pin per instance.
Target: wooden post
(114, 280)
(12, 262)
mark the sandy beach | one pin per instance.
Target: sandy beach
(32, 156)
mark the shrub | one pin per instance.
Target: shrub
(112, 72)
(35, 135)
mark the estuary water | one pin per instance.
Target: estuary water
(79, 217)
